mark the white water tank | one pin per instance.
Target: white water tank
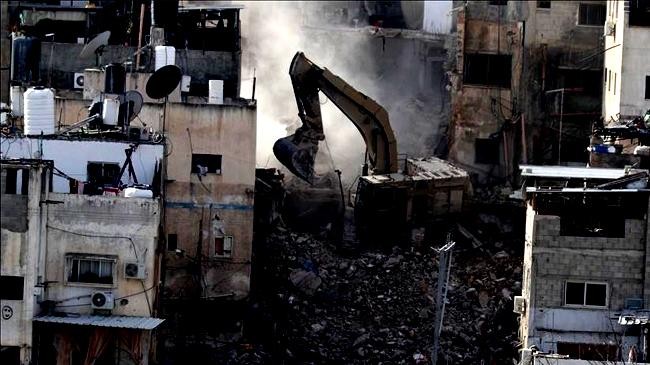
(16, 100)
(215, 92)
(39, 111)
(165, 55)
(110, 111)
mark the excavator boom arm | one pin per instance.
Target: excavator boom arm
(297, 152)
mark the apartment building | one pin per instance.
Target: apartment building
(586, 287)
(525, 83)
(626, 78)
(194, 148)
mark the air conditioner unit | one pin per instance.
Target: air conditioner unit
(610, 28)
(78, 80)
(519, 304)
(102, 300)
(134, 270)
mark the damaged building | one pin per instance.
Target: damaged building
(586, 285)
(188, 144)
(525, 81)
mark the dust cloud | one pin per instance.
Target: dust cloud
(272, 32)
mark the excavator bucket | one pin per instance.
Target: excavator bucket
(297, 157)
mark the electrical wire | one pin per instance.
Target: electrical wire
(135, 252)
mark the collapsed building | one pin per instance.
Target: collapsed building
(112, 127)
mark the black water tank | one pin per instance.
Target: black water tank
(25, 59)
(115, 80)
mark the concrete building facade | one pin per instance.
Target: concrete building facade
(525, 83)
(626, 80)
(80, 273)
(586, 287)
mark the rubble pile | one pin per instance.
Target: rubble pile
(378, 306)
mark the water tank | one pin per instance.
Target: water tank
(111, 111)
(115, 79)
(25, 59)
(39, 111)
(215, 92)
(16, 100)
(165, 55)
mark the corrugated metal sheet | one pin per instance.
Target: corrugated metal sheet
(574, 172)
(143, 323)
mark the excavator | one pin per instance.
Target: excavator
(386, 200)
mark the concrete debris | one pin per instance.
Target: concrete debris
(378, 307)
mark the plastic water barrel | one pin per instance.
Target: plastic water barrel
(16, 100)
(115, 79)
(39, 111)
(165, 55)
(215, 92)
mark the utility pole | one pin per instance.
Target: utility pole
(444, 268)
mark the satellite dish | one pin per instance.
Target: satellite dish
(163, 81)
(134, 100)
(96, 46)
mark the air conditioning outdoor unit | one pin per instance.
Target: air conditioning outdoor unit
(102, 300)
(519, 304)
(78, 80)
(134, 270)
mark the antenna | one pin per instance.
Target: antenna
(96, 47)
(163, 81)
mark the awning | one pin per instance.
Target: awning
(141, 323)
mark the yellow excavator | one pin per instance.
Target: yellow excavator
(298, 151)
(387, 201)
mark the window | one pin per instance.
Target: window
(223, 246)
(585, 294)
(90, 269)
(647, 87)
(206, 164)
(102, 173)
(543, 5)
(580, 223)
(609, 81)
(591, 14)
(488, 70)
(15, 181)
(172, 242)
(499, 2)
(588, 351)
(11, 287)
(614, 83)
(487, 151)
(639, 13)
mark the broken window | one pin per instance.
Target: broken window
(591, 14)
(206, 164)
(90, 269)
(487, 151)
(11, 287)
(15, 181)
(585, 294)
(543, 4)
(588, 351)
(223, 246)
(172, 241)
(488, 70)
(102, 173)
(639, 13)
(584, 223)
(647, 87)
